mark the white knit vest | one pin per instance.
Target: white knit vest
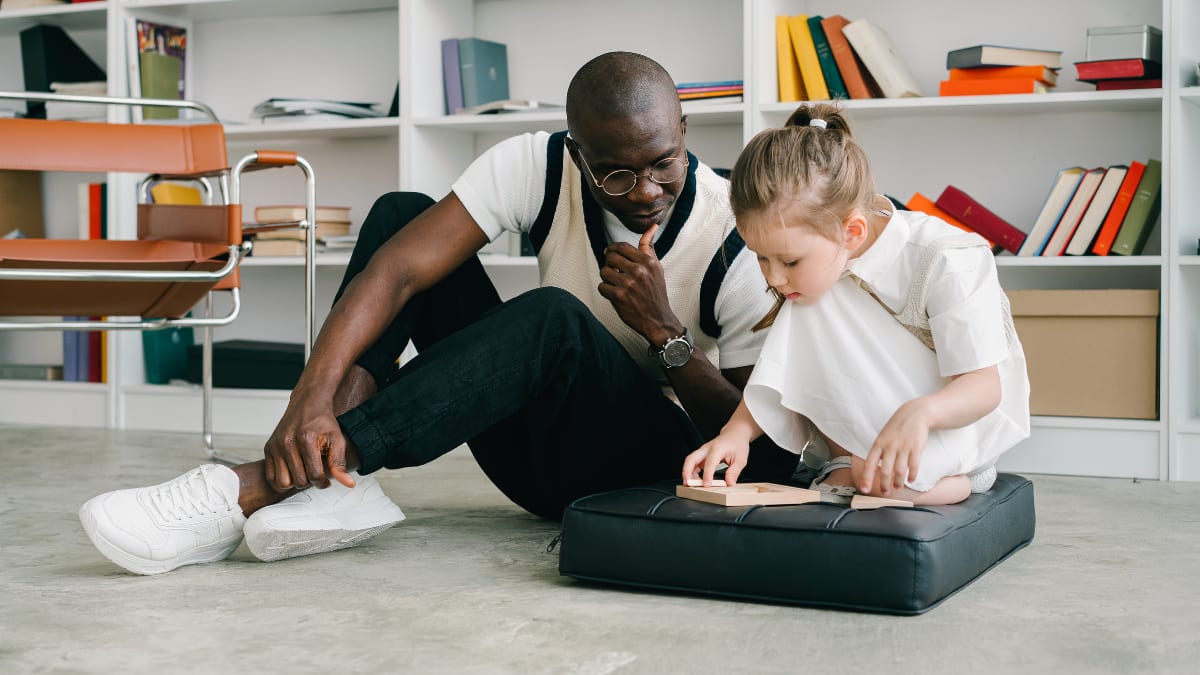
(566, 260)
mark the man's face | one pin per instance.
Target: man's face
(639, 144)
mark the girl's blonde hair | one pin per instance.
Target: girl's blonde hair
(816, 168)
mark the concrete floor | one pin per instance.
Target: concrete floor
(1111, 584)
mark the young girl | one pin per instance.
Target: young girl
(892, 360)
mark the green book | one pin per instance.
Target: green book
(165, 353)
(161, 75)
(833, 77)
(1143, 211)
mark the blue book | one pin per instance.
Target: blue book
(484, 68)
(452, 76)
(70, 353)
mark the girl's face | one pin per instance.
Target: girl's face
(796, 261)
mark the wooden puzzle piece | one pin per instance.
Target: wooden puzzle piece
(749, 494)
(866, 502)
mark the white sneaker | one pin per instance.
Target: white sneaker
(194, 518)
(319, 520)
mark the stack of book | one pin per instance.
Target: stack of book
(1122, 57)
(333, 230)
(831, 57)
(307, 109)
(727, 90)
(991, 69)
(1099, 211)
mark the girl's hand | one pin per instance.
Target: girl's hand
(896, 455)
(703, 462)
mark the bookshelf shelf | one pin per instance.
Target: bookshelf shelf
(221, 10)
(1086, 262)
(82, 16)
(383, 127)
(1061, 103)
(322, 260)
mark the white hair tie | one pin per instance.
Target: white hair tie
(818, 123)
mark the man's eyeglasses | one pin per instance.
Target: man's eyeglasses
(622, 181)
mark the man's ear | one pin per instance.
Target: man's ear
(683, 124)
(856, 230)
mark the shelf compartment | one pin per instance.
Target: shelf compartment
(72, 17)
(1014, 104)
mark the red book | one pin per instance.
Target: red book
(1120, 205)
(989, 225)
(1117, 69)
(1132, 83)
(1008, 85)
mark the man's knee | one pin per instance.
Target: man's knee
(392, 211)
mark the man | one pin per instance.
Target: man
(558, 393)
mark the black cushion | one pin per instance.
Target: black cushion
(891, 560)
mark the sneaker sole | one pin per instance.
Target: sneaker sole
(269, 544)
(144, 566)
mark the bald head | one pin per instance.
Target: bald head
(619, 85)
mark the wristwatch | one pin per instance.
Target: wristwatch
(676, 352)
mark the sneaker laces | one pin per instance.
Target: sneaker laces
(188, 496)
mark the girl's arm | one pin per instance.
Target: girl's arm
(896, 454)
(731, 446)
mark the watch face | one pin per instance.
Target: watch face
(676, 352)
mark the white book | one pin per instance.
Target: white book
(1061, 191)
(1075, 209)
(879, 55)
(1093, 218)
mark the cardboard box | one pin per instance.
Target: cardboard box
(21, 203)
(1124, 42)
(1090, 353)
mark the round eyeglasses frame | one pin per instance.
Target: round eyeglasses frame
(664, 172)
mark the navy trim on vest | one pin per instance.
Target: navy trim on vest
(554, 170)
(593, 217)
(714, 276)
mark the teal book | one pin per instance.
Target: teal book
(165, 353)
(829, 68)
(1143, 211)
(484, 68)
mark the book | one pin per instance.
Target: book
(700, 96)
(324, 231)
(451, 76)
(312, 107)
(1143, 211)
(72, 110)
(278, 247)
(920, 202)
(997, 55)
(787, 67)
(1074, 212)
(1129, 83)
(833, 79)
(483, 65)
(49, 55)
(1012, 85)
(1047, 76)
(1120, 206)
(148, 37)
(164, 353)
(976, 216)
(167, 192)
(1093, 218)
(850, 67)
(806, 56)
(1061, 191)
(512, 105)
(874, 46)
(289, 213)
(29, 371)
(1117, 69)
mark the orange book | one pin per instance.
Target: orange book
(1046, 75)
(1120, 205)
(853, 72)
(920, 202)
(1010, 85)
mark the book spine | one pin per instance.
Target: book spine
(806, 56)
(1143, 209)
(1117, 69)
(785, 61)
(989, 225)
(833, 79)
(451, 76)
(1014, 85)
(1089, 225)
(1074, 213)
(1116, 214)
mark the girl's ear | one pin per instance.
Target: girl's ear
(855, 230)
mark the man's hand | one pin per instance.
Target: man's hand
(632, 280)
(307, 447)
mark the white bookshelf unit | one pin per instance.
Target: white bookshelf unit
(1003, 150)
